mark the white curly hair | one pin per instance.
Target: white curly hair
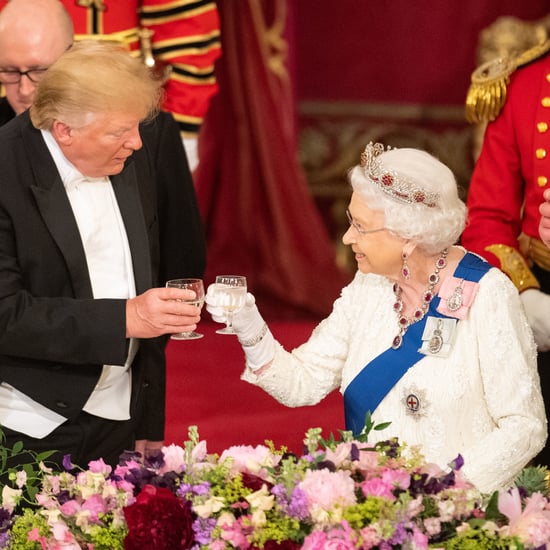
(432, 228)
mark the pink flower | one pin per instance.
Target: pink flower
(99, 467)
(96, 505)
(122, 469)
(532, 524)
(432, 526)
(336, 538)
(63, 537)
(21, 479)
(233, 533)
(378, 487)
(315, 541)
(420, 540)
(199, 452)
(400, 479)
(252, 460)
(70, 508)
(34, 536)
(125, 486)
(339, 455)
(433, 470)
(370, 538)
(368, 460)
(325, 489)
(45, 501)
(174, 459)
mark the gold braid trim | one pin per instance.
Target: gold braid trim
(532, 53)
(487, 93)
(125, 38)
(514, 265)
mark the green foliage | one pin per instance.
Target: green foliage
(17, 459)
(278, 530)
(364, 513)
(491, 511)
(479, 538)
(106, 537)
(534, 479)
(345, 435)
(21, 527)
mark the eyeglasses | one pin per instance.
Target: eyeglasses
(358, 228)
(13, 76)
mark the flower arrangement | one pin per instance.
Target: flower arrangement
(338, 495)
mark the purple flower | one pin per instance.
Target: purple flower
(457, 463)
(399, 535)
(155, 460)
(67, 463)
(4, 539)
(202, 527)
(129, 456)
(298, 507)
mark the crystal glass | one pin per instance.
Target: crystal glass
(197, 286)
(230, 293)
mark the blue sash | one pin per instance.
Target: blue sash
(377, 378)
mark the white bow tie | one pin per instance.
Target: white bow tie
(75, 179)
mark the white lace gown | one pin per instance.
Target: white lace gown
(482, 401)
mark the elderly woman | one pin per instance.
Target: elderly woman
(427, 336)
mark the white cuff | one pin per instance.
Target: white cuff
(260, 353)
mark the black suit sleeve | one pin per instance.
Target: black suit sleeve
(182, 253)
(182, 238)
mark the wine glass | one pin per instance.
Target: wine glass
(197, 286)
(230, 293)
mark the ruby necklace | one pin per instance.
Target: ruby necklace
(404, 322)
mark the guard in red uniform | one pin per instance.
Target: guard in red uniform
(507, 186)
(182, 36)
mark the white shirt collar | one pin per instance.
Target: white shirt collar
(68, 172)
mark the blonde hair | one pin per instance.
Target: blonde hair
(431, 228)
(94, 77)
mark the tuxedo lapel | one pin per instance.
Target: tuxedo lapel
(56, 211)
(125, 186)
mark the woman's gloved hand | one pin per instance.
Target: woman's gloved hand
(252, 331)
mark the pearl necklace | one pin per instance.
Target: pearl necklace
(404, 322)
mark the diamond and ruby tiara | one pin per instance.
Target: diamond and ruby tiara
(398, 187)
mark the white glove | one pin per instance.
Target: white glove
(252, 331)
(537, 309)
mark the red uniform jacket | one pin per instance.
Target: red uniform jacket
(186, 36)
(511, 174)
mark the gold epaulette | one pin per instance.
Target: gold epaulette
(514, 265)
(487, 92)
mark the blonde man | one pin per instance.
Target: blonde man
(89, 233)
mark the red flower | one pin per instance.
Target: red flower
(158, 520)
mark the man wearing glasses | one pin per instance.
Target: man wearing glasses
(24, 55)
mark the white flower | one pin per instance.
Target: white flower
(261, 499)
(209, 507)
(21, 479)
(10, 498)
(174, 459)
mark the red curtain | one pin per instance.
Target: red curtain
(260, 217)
